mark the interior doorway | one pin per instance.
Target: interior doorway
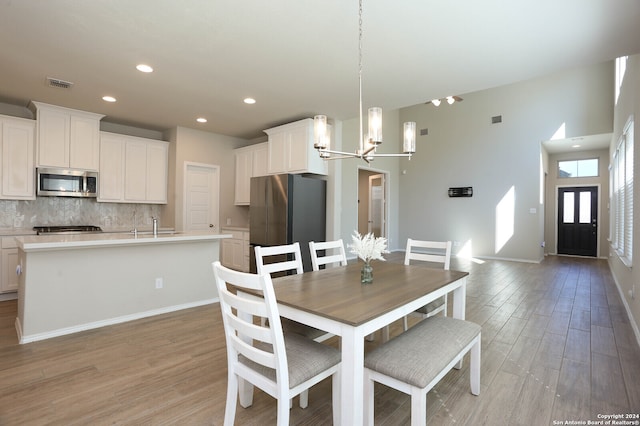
(578, 220)
(373, 193)
(202, 197)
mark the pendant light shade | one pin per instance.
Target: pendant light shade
(409, 142)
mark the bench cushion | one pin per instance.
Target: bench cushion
(419, 354)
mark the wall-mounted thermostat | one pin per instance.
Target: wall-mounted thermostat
(462, 191)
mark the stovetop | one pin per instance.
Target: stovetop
(66, 229)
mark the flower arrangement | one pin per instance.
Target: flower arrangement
(368, 247)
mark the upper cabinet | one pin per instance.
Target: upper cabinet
(291, 149)
(250, 161)
(67, 137)
(133, 169)
(17, 171)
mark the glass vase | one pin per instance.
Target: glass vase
(366, 274)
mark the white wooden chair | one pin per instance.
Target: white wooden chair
(336, 256)
(289, 260)
(282, 366)
(430, 251)
(415, 361)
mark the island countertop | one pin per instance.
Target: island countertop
(30, 243)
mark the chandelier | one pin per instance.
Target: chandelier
(369, 143)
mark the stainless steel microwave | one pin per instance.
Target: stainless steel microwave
(66, 183)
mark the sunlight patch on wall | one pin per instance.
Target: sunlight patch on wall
(560, 133)
(466, 252)
(505, 218)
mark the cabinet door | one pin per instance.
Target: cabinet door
(278, 152)
(53, 138)
(135, 171)
(111, 177)
(84, 143)
(298, 140)
(157, 164)
(260, 157)
(9, 278)
(17, 167)
(244, 169)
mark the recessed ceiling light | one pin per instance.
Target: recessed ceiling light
(201, 120)
(108, 99)
(249, 101)
(575, 146)
(144, 68)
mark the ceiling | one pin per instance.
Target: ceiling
(297, 58)
(582, 143)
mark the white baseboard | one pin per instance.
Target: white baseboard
(632, 320)
(103, 323)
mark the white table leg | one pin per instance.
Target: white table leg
(352, 378)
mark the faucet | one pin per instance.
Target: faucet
(155, 226)
(135, 225)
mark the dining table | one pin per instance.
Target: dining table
(335, 300)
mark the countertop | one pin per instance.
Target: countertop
(59, 242)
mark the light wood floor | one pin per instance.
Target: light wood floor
(556, 346)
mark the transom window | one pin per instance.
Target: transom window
(578, 168)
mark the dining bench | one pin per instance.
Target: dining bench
(415, 361)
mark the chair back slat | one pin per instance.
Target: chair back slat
(291, 259)
(428, 251)
(337, 255)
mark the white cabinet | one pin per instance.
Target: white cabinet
(17, 168)
(291, 149)
(132, 169)
(250, 161)
(235, 250)
(67, 137)
(9, 262)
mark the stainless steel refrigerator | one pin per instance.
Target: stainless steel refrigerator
(284, 209)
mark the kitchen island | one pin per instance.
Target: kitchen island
(70, 283)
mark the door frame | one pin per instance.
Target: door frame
(557, 208)
(372, 171)
(216, 196)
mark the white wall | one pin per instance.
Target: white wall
(629, 104)
(463, 148)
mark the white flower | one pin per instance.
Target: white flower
(367, 247)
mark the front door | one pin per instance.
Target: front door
(578, 220)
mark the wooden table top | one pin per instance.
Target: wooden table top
(338, 294)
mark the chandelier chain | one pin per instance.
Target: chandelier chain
(360, 75)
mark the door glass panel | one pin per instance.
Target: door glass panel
(585, 207)
(568, 215)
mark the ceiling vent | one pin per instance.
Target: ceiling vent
(60, 84)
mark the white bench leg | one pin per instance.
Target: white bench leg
(474, 366)
(418, 407)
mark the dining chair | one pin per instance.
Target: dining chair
(336, 256)
(281, 365)
(415, 361)
(288, 259)
(437, 252)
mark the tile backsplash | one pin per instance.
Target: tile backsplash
(45, 211)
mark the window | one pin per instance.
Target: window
(578, 168)
(622, 174)
(621, 68)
